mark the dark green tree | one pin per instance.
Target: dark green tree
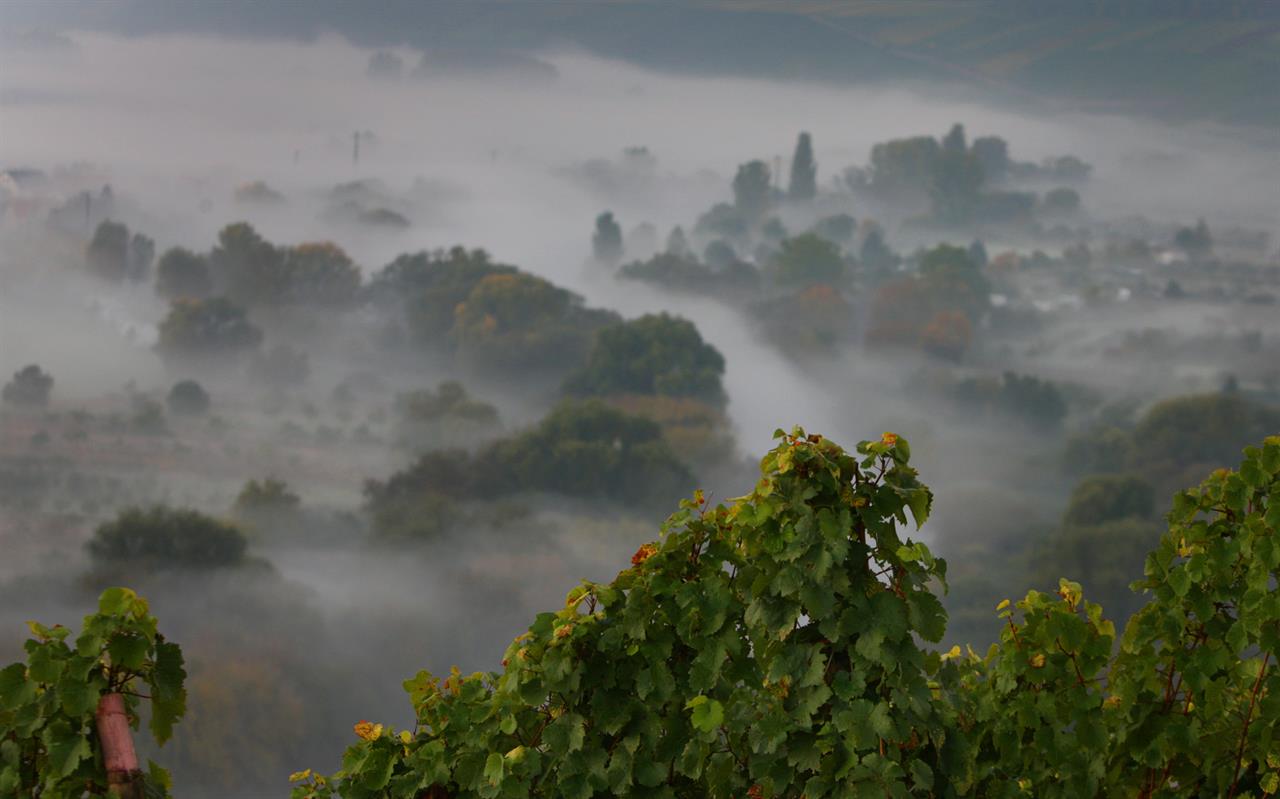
(201, 328)
(319, 274)
(183, 274)
(655, 354)
(1105, 498)
(804, 171)
(606, 242)
(247, 268)
(428, 286)
(753, 190)
(161, 537)
(993, 153)
(1196, 241)
(808, 259)
(108, 252)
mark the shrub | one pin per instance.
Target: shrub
(167, 538)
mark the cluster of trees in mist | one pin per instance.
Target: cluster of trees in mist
(455, 397)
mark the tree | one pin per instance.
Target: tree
(752, 190)
(1106, 498)
(1200, 431)
(978, 253)
(955, 279)
(161, 537)
(993, 153)
(677, 243)
(108, 252)
(140, 255)
(875, 255)
(247, 268)
(606, 243)
(674, 272)
(808, 259)
(815, 321)
(655, 354)
(947, 335)
(511, 321)
(428, 286)
(319, 274)
(804, 171)
(719, 255)
(182, 274)
(954, 141)
(590, 450)
(1025, 398)
(955, 184)
(187, 398)
(725, 221)
(584, 449)
(1196, 241)
(29, 388)
(267, 505)
(203, 328)
(904, 167)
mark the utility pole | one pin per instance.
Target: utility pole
(355, 148)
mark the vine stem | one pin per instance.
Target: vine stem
(1248, 718)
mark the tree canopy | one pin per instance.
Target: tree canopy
(654, 354)
(161, 537)
(201, 328)
(804, 170)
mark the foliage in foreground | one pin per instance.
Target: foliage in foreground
(771, 647)
(49, 744)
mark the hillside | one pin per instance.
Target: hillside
(1179, 59)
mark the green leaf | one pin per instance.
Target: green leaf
(566, 733)
(116, 601)
(708, 714)
(45, 664)
(15, 689)
(168, 694)
(78, 695)
(66, 747)
(128, 651)
(494, 767)
(158, 783)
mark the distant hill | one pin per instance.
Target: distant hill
(1178, 59)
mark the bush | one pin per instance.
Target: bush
(161, 537)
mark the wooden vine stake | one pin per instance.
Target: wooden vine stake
(124, 778)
